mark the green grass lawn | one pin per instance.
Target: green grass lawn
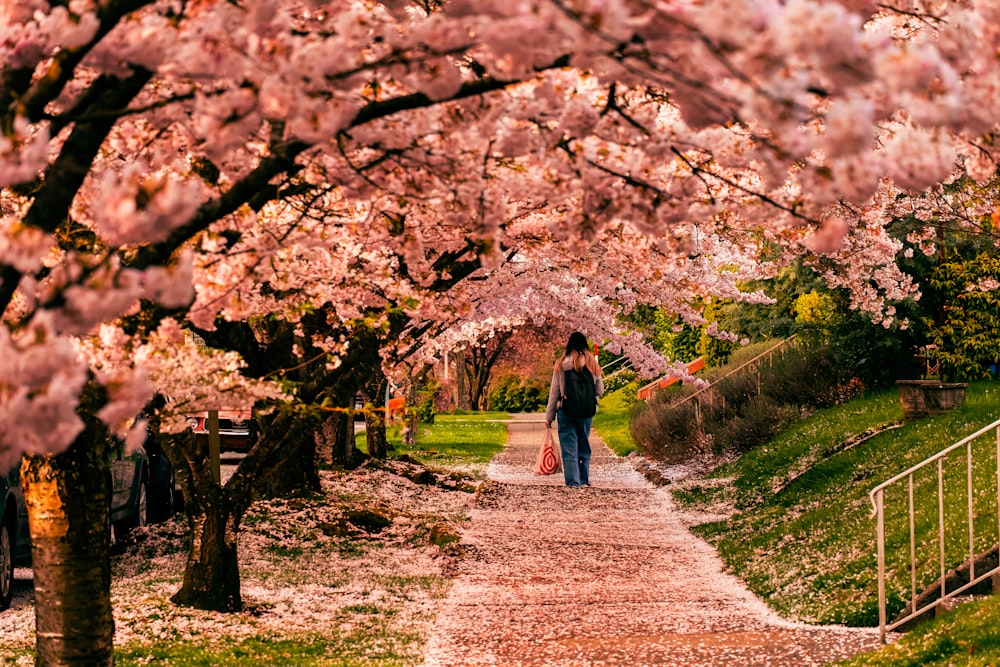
(965, 636)
(465, 440)
(612, 420)
(803, 537)
(362, 645)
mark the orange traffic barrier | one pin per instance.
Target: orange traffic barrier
(396, 406)
(645, 392)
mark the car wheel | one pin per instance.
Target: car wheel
(124, 528)
(161, 505)
(6, 566)
(178, 500)
(161, 495)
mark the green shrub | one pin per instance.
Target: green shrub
(512, 394)
(748, 406)
(665, 433)
(618, 379)
(803, 377)
(736, 389)
(425, 411)
(758, 420)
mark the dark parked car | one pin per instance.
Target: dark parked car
(142, 490)
(14, 545)
(234, 429)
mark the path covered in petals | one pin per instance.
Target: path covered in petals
(604, 576)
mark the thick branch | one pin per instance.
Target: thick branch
(281, 160)
(66, 174)
(377, 110)
(283, 156)
(64, 63)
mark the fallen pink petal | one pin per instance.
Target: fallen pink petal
(608, 575)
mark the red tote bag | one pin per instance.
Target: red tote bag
(547, 462)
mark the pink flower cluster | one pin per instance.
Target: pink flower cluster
(245, 160)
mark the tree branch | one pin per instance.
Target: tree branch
(63, 178)
(63, 67)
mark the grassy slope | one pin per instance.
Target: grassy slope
(611, 421)
(804, 536)
(965, 636)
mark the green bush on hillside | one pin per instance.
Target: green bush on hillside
(618, 379)
(664, 434)
(758, 421)
(512, 394)
(744, 409)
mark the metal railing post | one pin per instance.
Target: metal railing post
(940, 474)
(913, 552)
(972, 513)
(880, 530)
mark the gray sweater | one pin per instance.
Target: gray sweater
(556, 388)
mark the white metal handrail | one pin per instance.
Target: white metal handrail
(751, 363)
(625, 361)
(877, 496)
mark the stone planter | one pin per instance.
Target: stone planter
(929, 397)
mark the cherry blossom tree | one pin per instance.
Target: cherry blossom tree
(527, 353)
(170, 165)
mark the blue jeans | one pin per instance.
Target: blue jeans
(574, 443)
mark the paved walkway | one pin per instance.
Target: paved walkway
(604, 576)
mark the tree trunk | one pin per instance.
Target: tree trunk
(374, 392)
(378, 443)
(291, 463)
(339, 430)
(411, 420)
(325, 439)
(212, 575)
(461, 392)
(68, 497)
(478, 377)
(478, 365)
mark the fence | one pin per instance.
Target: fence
(751, 366)
(913, 485)
(646, 391)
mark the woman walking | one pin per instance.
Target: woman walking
(577, 382)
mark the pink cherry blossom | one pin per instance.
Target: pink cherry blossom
(589, 156)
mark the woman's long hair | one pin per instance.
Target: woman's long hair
(578, 350)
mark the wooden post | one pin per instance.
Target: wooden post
(214, 447)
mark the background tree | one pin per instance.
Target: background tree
(965, 334)
(479, 362)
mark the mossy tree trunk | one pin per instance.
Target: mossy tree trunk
(374, 392)
(68, 497)
(212, 575)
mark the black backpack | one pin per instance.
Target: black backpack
(579, 394)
